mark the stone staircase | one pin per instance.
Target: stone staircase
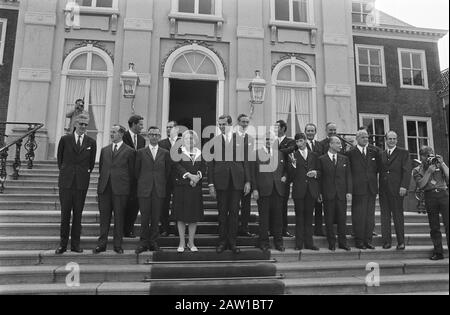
(29, 234)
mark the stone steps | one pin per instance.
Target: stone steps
(356, 285)
(202, 240)
(93, 216)
(206, 227)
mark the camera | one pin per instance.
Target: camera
(432, 160)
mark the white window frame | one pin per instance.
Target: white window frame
(217, 10)
(384, 117)
(3, 39)
(423, 60)
(115, 5)
(429, 122)
(361, 13)
(309, 15)
(383, 65)
(311, 84)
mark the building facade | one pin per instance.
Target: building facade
(195, 58)
(8, 25)
(396, 67)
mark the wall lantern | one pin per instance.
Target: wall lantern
(257, 88)
(129, 80)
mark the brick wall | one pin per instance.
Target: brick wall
(398, 102)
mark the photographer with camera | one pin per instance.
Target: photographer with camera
(432, 177)
(79, 110)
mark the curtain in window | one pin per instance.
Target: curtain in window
(98, 105)
(302, 103)
(283, 103)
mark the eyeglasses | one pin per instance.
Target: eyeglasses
(83, 124)
(154, 134)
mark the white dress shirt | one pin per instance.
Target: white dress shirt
(81, 138)
(331, 156)
(118, 144)
(133, 138)
(304, 153)
(390, 151)
(362, 149)
(154, 150)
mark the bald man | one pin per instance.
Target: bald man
(395, 176)
(364, 162)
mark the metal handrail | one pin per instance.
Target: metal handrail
(30, 131)
(30, 146)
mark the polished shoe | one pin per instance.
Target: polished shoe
(287, 234)
(235, 250)
(118, 250)
(99, 250)
(369, 246)
(332, 248)
(314, 248)
(155, 248)
(363, 247)
(180, 249)
(401, 247)
(437, 257)
(193, 248)
(387, 246)
(346, 248)
(140, 250)
(280, 248)
(129, 235)
(60, 250)
(76, 250)
(220, 249)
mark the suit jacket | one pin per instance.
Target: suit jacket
(364, 171)
(225, 164)
(395, 172)
(325, 146)
(186, 165)
(287, 146)
(119, 168)
(317, 148)
(303, 183)
(129, 142)
(267, 175)
(152, 173)
(76, 164)
(335, 180)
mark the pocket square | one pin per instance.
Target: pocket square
(373, 159)
(88, 148)
(345, 165)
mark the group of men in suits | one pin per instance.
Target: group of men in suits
(136, 177)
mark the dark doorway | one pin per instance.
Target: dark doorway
(193, 99)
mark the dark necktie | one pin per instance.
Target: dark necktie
(312, 146)
(115, 148)
(79, 143)
(334, 159)
(135, 142)
(389, 154)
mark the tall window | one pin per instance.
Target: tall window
(294, 95)
(292, 10)
(360, 11)
(87, 74)
(3, 23)
(413, 68)
(96, 3)
(207, 7)
(370, 65)
(377, 126)
(418, 133)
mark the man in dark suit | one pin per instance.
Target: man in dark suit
(395, 177)
(336, 188)
(286, 146)
(364, 162)
(136, 141)
(229, 177)
(76, 160)
(167, 144)
(248, 142)
(304, 173)
(331, 131)
(116, 168)
(153, 166)
(268, 182)
(314, 146)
